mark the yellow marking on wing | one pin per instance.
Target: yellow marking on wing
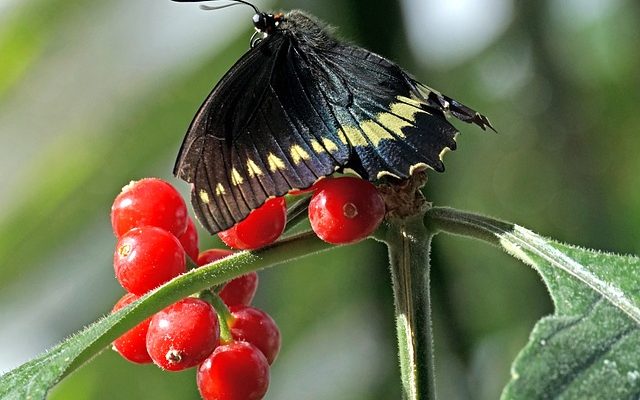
(418, 167)
(236, 179)
(204, 196)
(275, 163)
(220, 190)
(298, 154)
(355, 136)
(317, 147)
(405, 111)
(410, 100)
(329, 145)
(443, 152)
(382, 174)
(392, 122)
(375, 132)
(253, 169)
(446, 149)
(342, 136)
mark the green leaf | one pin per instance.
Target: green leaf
(590, 347)
(34, 379)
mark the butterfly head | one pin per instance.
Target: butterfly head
(267, 23)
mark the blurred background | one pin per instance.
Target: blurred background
(95, 94)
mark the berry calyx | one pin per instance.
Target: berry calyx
(189, 240)
(132, 345)
(262, 227)
(237, 292)
(255, 326)
(345, 210)
(183, 335)
(149, 202)
(147, 257)
(235, 371)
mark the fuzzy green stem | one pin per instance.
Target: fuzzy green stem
(409, 242)
(443, 219)
(197, 280)
(224, 315)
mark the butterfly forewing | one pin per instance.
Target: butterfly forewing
(261, 133)
(208, 159)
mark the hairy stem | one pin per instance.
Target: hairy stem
(224, 314)
(442, 219)
(409, 241)
(197, 280)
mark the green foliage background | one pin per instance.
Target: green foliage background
(560, 82)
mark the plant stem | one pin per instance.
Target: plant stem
(224, 315)
(194, 281)
(466, 224)
(409, 243)
(297, 212)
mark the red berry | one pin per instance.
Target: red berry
(258, 328)
(235, 371)
(132, 345)
(261, 228)
(147, 257)
(152, 202)
(211, 255)
(240, 291)
(183, 335)
(189, 241)
(237, 292)
(345, 210)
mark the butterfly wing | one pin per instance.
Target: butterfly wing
(287, 114)
(392, 123)
(260, 133)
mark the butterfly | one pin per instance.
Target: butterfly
(301, 105)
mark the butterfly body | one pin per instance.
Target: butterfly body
(300, 105)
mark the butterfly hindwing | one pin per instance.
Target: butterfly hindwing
(390, 124)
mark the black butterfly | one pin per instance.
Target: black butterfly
(300, 105)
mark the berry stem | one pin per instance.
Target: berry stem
(409, 242)
(297, 213)
(224, 315)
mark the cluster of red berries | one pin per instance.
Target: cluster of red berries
(233, 346)
(233, 343)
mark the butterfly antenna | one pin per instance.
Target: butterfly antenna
(212, 8)
(209, 8)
